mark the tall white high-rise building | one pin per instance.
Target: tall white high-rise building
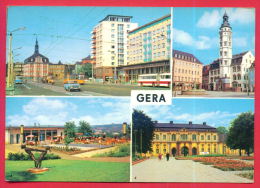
(109, 44)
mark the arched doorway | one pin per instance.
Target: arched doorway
(194, 151)
(174, 151)
(184, 151)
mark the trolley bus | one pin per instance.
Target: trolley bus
(155, 80)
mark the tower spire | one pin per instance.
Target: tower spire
(36, 51)
(225, 20)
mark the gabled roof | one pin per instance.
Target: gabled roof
(185, 56)
(179, 126)
(237, 58)
(36, 54)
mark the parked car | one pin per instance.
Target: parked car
(71, 85)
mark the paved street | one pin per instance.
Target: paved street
(153, 170)
(89, 89)
(220, 94)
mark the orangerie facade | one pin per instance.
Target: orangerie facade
(188, 139)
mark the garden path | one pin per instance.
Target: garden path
(153, 170)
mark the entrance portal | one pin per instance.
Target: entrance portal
(184, 151)
(174, 151)
(194, 151)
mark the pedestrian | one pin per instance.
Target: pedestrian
(167, 156)
(160, 156)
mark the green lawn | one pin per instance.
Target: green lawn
(69, 171)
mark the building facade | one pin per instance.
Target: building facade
(109, 45)
(43, 133)
(188, 139)
(57, 71)
(187, 71)
(229, 72)
(36, 66)
(148, 50)
(205, 77)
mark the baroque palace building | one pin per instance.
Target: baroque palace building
(148, 50)
(190, 139)
(229, 72)
(186, 71)
(109, 45)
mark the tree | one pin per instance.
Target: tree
(86, 69)
(222, 130)
(143, 132)
(85, 128)
(69, 131)
(241, 133)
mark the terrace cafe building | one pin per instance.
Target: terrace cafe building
(44, 133)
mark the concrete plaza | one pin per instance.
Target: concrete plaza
(154, 170)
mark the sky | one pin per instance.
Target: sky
(57, 111)
(215, 112)
(64, 33)
(196, 31)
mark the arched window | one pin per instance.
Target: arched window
(234, 77)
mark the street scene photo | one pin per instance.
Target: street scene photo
(67, 139)
(87, 51)
(194, 140)
(213, 52)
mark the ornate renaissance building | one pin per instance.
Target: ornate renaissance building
(229, 72)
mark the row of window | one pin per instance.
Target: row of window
(185, 137)
(186, 79)
(187, 71)
(184, 57)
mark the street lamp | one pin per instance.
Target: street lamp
(10, 73)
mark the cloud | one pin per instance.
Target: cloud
(46, 111)
(209, 19)
(213, 19)
(182, 37)
(240, 15)
(167, 113)
(42, 105)
(201, 43)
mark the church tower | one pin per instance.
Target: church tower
(225, 50)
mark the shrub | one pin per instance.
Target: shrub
(26, 157)
(248, 175)
(121, 151)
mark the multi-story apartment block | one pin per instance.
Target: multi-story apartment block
(187, 71)
(229, 72)
(150, 42)
(188, 139)
(148, 49)
(109, 44)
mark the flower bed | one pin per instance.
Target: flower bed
(234, 167)
(242, 157)
(247, 158)
(183, 158)
(224, 164)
